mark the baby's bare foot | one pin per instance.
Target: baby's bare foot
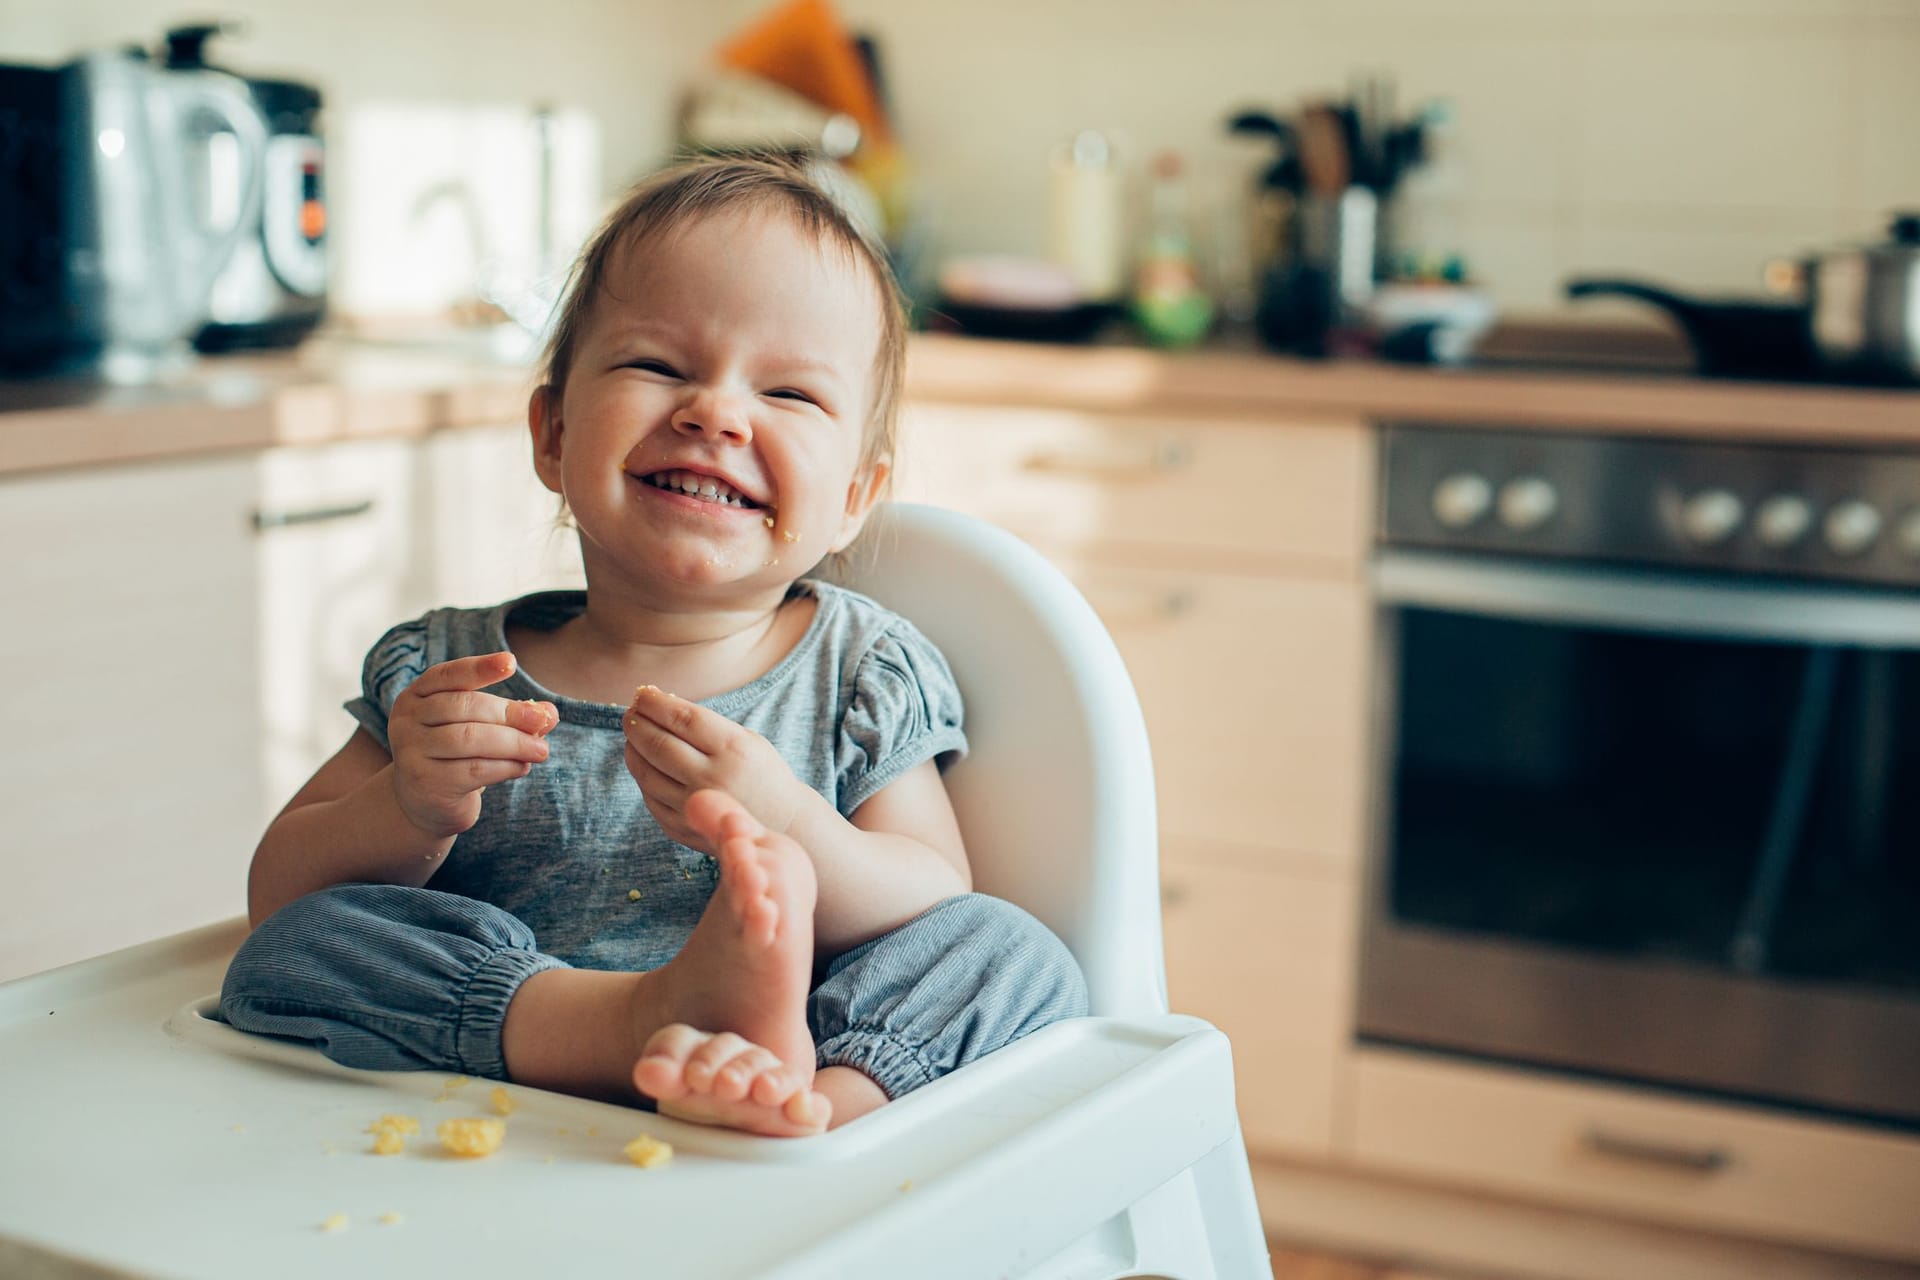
(744, 971)
(725, 1080)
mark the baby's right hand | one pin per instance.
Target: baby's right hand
(450, 741)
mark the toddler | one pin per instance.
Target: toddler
(738, 894)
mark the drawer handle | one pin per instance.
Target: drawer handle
(1700, 1160)
(1120, 607)
(1160, 458)
(264, 520)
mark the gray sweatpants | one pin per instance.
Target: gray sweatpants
(386, 977)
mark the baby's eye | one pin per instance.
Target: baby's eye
(660, 367)
(791, 393)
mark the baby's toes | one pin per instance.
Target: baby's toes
(773, 1086)
(733, 1081)
(662, 1068)
(705, 1062)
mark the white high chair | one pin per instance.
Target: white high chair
(141, 1136)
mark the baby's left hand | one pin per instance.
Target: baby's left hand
(676, 747)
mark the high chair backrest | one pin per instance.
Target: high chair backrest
(1055, 797)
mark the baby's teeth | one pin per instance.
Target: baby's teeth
(709, 491)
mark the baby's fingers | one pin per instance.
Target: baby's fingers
(471, 740)
(485, 708)
(463, 674)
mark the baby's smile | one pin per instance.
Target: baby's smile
(704, 488)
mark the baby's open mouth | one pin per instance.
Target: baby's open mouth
(705, 488)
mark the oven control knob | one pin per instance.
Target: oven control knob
(1852, 527)
(1527, 503)
(1908, 535)
(1782, 520)
(1461, 499)
(1711, 516)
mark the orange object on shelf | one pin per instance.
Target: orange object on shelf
(802, 46)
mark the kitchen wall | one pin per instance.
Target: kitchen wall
(1688, 140)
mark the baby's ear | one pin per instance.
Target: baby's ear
(543, 421)
(862, 494)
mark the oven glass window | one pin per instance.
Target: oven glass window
(1741, 806)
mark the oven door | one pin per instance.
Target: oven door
(1649, 826)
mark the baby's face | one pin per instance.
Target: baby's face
(710, 430)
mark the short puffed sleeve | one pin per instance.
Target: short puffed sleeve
(395, 661)
(905, 709)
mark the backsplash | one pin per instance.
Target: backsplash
(1683, 140)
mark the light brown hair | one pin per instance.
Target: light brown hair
(758, 183)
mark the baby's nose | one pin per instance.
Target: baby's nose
(715, 414)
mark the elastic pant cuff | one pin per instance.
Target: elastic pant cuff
(898, 1068)
(483, 1009)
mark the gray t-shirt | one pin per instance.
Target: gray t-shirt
(862, 698)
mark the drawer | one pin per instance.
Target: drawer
(1692, 1163)
(1268, 958)
(1273, 491)
(1255, 696)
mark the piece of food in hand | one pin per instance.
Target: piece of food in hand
(502, 1101)
(648, 1151)
(472, 1136)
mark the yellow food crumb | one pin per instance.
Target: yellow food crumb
(391, 1219)
(456, 1082)
(593, 1131)
(472, 1136)
(388, 1142)
(648, 1152)
(791, 536)
(335, 1222)
(502, 1101)
(407, 1125)
(633, 895)
(238, 1128)
(907, 1185)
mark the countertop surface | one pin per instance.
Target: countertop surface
(332, 390)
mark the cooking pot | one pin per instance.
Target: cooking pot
(1863, 304)
(1850, 313)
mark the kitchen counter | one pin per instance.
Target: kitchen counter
(335, 390)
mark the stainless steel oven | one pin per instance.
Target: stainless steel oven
(1648, 763)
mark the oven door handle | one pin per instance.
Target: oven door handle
(1650, 602)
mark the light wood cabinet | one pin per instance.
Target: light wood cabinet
(1252, 687)
(1225, 558)
(1632, 1151)
(491, 530)
(1261, 954)
(133, 789)
(339, 560)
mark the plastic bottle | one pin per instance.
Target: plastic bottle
(1168, 303)
(1425, 221)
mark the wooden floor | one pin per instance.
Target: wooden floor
(1293, 1264)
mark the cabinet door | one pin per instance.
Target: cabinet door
(1268, 958)
(494, 529)
(132, 792)
(1288, 495)
(1254, 691)
(339, 563)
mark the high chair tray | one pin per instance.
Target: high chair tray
(139, 1136)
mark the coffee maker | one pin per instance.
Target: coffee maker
(145, 204)
(272, 292)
